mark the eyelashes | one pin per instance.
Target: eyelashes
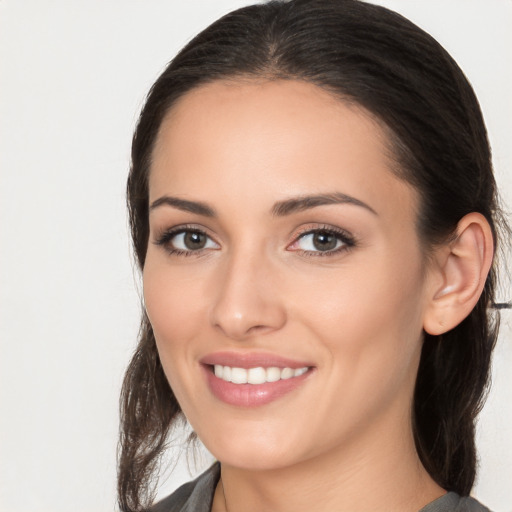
(322, 241)
(317, 241)
(186, 241)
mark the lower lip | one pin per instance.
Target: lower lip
(251, 395)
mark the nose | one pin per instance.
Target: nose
(247, 300)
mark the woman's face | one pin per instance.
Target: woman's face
(283, 250)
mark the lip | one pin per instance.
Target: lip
(252, 360)
(252, 395)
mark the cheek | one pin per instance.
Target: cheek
(370, 295)
(167, 305)
(370, 335)
(176, 311)
(369, 321)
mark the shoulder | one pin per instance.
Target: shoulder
(452, 502)
(194, 496)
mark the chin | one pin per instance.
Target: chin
(252, 453)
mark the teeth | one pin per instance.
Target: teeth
(238, 375)
(273, 374)
(287, 373)
(256, 375)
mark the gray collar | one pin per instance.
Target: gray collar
(197, 496)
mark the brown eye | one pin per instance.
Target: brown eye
(320, 241)
(186, 241)
(193, 240)
(323, 241)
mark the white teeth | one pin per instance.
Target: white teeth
(299, 371)
(273, 374)
(239, 375)
(257, 375)
(287, 373)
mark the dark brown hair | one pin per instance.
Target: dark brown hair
(373, 57)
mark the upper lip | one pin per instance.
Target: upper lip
(252, 360)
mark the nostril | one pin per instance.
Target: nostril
(258, 328)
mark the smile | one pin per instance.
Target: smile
(257, 375)
(256, 386)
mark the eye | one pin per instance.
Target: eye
(182, 241)
(323, 242)
(191, 241)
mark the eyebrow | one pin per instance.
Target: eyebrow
(280, 209)
(183, 204)
(301, 203)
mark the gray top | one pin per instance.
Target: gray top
(197, 496)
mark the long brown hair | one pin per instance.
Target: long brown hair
(376, 58)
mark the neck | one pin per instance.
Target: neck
(385, 473)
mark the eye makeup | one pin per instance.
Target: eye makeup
(311, 241)
(322, 241)
(180, 241)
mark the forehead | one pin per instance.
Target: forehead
(279, 113)
(257, 140)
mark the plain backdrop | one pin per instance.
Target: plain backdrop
(73, 75)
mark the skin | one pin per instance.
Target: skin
(343, 440)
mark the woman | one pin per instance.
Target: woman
(314, 212)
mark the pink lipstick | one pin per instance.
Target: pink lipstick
(253, 379)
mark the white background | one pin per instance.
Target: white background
(73, 75)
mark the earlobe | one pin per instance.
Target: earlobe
(463, 265)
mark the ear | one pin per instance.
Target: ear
(459, 274)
